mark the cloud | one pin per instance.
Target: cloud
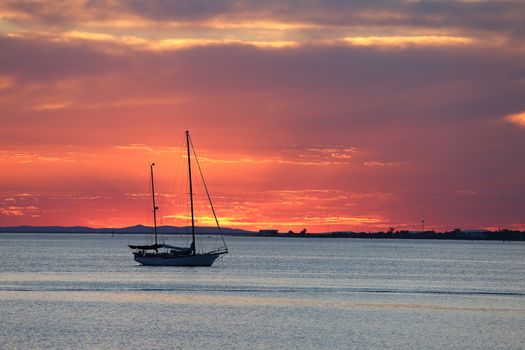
(331, 152)
(467, 192)
(488, 14)
(375, 163)
(61, 60)
(150, 149)
(19, 211)
(6, 82)
(120, 43)
(318, 156)
(274, 23)
(517, 119)
(23, 157)
(51, 106)
(400, 41)
(186, 10)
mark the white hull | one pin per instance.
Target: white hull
(174, 260)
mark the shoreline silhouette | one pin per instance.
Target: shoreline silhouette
(456, 234)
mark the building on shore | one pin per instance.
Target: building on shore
(268, 232)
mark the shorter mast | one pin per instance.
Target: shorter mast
(194, 248)
(155, 208)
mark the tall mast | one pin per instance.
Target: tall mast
(154, 206)
(191, 194)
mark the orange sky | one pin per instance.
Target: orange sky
(331, 116)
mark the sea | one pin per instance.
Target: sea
(84, 291)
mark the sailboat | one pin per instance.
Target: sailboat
(160, 254)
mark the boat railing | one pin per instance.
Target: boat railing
(218, 251)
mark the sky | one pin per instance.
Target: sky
(325, 115)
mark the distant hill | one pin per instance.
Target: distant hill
(128, 230)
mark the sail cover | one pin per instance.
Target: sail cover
(158, 246)
(174, 247)
(146, 247)
(178, 249)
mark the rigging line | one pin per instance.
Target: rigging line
(207, 193)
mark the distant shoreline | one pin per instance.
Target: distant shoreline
(457, 234)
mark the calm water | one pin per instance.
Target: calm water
(85, 291)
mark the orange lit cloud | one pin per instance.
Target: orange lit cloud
(19, 211)
(518, 119)
(177, 43)
(408, 40)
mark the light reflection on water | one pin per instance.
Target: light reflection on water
(239, 301)
(85, 291)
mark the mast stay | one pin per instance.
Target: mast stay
(208, 195)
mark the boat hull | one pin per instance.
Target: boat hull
(187, 260)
